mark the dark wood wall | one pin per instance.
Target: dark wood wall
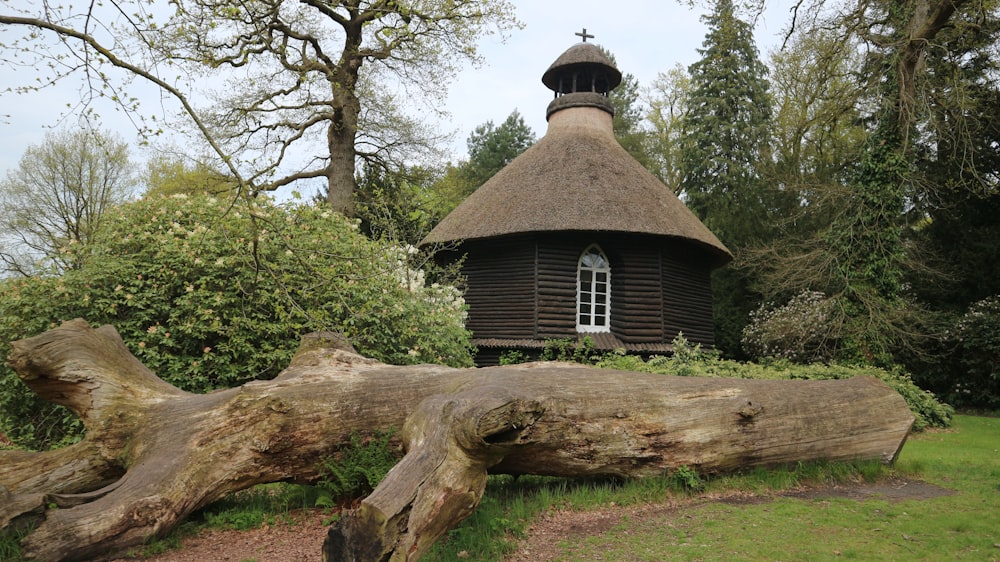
(556, 313)
(687, 298)
(524, 287)
(636, 298)
(500, 291)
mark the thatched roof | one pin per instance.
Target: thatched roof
(583, 57)
(576, 178)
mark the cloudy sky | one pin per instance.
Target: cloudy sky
(646, 36)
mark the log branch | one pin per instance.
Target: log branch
(451, 442)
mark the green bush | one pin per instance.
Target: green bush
(569, 350)
(209, 294)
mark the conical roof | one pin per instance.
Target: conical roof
(577, 178)
(582, 57)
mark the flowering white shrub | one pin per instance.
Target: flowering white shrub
(806, 329)
(976, 340)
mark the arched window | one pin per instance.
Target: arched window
(593, 291)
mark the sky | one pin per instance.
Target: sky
(646, 37)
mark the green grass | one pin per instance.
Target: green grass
(962, 526)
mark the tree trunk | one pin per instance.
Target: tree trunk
(153, 454)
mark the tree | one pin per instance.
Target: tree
(957, 193)
(817, 135)
(863, 255)
(669, 93)
(152, 452)
(726, 137)
(398, 206)
(724, 146)
(58, 196)
(491, 148)
(905, 229)
(173, 175)
(304, 78)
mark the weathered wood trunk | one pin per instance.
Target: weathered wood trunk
(153, 454)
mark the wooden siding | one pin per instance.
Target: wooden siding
(557, 262)
(636, 298)
(687, 299)
(525, 288)
(501, 288)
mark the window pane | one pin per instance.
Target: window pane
(593, 290)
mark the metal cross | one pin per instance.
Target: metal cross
(585, 35)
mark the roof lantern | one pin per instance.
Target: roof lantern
(583, 76)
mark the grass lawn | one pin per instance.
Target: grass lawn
(964, 525)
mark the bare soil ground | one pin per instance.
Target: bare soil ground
(300, 540)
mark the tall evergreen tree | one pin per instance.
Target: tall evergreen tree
(724, 142)
(725, 136)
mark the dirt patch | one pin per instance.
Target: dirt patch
(302, 538)
(298, 539)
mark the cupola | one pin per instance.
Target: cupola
(582, 77)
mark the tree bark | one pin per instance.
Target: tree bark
(152, 454)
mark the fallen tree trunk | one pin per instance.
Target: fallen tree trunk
(152, 454)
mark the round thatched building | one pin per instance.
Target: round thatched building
(575, 238)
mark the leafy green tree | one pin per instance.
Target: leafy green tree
(58, 197)
(397, 206)
(817, 130)
(303, 78)
(921, 95)
(491, 147)
(211, 295)
(667, 107)
(868, 240)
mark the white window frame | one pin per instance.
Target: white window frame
(593, 291)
